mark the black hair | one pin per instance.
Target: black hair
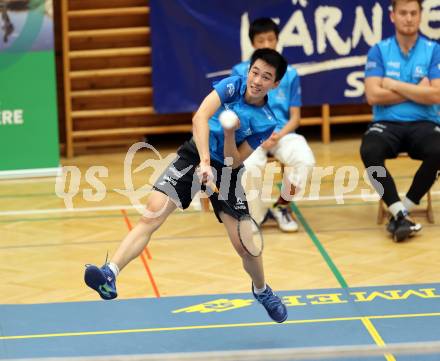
(394, 3)
(262, 25)
(273, 58)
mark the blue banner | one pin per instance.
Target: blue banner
(195, 42)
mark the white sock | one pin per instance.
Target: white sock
(259, 290)
(396, 208)
(408, 204)
(114, 268)
(196, 203)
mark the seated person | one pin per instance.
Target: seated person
(402, 82)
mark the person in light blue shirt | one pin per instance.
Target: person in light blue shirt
(402, 83)
(213, 155)
(289, 148)
(256, 122)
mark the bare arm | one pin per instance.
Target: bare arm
(201, 134)
(377, 95)
(200, 125)
(426, 92)
(238, 154)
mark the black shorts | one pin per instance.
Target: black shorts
(180, 182)
(410, 137)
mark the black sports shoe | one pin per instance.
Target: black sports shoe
(391, 226)
(404, 227)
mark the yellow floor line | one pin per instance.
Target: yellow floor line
(365, 320)
(376, 337)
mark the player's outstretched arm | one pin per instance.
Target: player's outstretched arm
(200, 125)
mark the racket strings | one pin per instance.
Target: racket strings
(252, 240)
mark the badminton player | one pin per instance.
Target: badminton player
(213, 155)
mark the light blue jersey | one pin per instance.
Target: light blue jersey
(256, 122)
(386, 60)
(286, 95)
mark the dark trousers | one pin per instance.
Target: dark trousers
(385, 140)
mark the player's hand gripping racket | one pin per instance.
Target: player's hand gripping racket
(251, 242)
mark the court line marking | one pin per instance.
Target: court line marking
(169, 238)
(216, 326)
(111, 191)
(66, 210)
(50, 179)
(365, 321)
(86, 217)
(130, 227)
(189, 211)
(125, 206)
(319, 246)
(376, 336)
(142, 257)
(88, 242)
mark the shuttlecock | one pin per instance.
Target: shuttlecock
(228, 119)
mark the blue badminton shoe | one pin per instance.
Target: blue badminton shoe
(275, 308)
(102, 280)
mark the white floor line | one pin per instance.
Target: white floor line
(27, 212)
(30, 180)
(372, 197)
(65, 210)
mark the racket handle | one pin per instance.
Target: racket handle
(213, 187)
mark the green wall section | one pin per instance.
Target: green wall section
(28, 89)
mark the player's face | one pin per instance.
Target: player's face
(406, 17)
(265, 40)
(260, 80)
